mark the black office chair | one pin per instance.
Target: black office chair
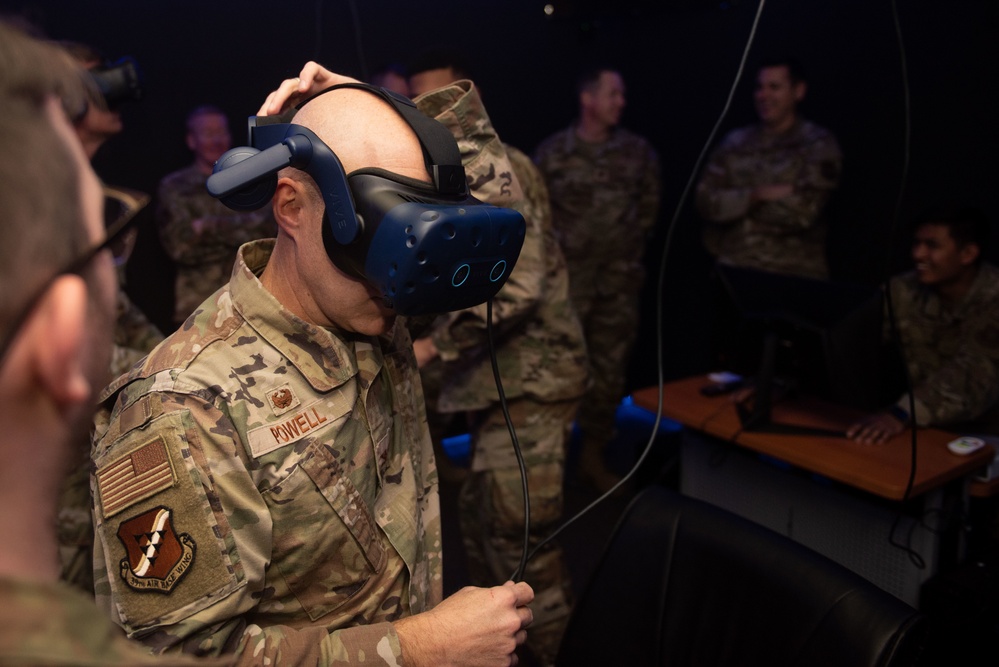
(686, 584)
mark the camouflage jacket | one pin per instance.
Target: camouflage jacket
(785, 236)
(952, 353)
(267, 487)
(134, 336)
(604, 197)
(539, 341)
(203, 261)
(53, 624)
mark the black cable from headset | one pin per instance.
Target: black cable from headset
(660, 288)
(519, 574)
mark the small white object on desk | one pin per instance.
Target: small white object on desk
(965, 445)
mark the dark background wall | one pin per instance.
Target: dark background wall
(679, 58)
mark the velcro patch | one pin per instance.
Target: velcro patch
(157, 558)
(282, 399)
(134, 477)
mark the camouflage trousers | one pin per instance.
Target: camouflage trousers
(491, 509)
(607, 302)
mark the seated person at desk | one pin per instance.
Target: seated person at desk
(947, 314)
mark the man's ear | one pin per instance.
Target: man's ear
(968, 254)
(58, 342)
(800, 89)
(190, 141)
(291, 201)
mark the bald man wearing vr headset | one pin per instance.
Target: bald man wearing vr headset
(265, 483)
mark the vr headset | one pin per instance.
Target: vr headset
(119, 81)
(428, 248)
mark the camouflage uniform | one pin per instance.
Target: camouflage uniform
(541, 356)
(53, 624)
(75, 522)
(134, 337)
(266, 487)
(952, 353)
(785, 236)
(605, 201)
(204, 261)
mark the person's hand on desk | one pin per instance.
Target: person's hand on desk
(876, 429)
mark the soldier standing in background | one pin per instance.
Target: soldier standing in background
(604, 186)
(541, 355)
(764, 188)
(198, 232)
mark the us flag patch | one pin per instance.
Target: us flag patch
(134, 477)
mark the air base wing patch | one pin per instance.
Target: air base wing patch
(157, 558)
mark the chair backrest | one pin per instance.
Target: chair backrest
(686, 584)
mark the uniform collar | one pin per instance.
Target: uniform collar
(324, 357)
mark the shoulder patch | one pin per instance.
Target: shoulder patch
(157, 558)
(135, 476)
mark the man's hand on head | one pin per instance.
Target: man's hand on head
(475, 627)
(312, 79)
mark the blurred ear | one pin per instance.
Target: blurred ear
(57, 340)
(968, 254)
(799, 91)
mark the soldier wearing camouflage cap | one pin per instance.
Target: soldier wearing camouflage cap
(264, 484)
(763, 191)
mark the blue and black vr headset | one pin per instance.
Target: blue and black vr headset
(427, 248)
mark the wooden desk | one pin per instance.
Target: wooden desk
(879, 469)
(836, 496)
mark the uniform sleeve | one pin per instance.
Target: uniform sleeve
(648, 205)
(818, 176)
(967, 384)
(182, 202)
(523, 291)
(723, 198)
(184, 541)
(717, 198)
(494, 178)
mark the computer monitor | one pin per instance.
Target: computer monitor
(793, 334)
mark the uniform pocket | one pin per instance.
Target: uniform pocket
(325, 544)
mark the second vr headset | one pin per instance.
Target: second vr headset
(429, 248)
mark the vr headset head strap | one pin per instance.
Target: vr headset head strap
(440, 151)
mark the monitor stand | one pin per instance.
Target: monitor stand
(756, 417)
